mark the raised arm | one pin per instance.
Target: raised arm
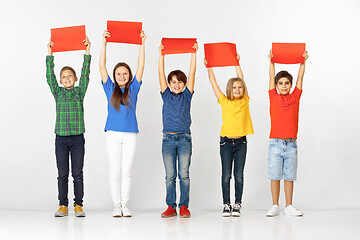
(141, 58)
(191, 77)
(271, 72)
(213, 82)
(49, 47)
(299, 81)
(240, 75)
(50, 75)
(85, 71)
(102, 63)
(87, 44)
(162, 77)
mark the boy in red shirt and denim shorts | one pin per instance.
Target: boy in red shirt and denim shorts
(284, 114)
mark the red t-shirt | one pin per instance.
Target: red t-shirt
(284, 113)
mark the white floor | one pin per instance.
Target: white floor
(315, 224)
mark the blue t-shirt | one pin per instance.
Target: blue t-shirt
(125, 119)
(176, 111)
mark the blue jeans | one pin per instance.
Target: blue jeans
(232, 151)
(177, 148)
(282, 159)
(73, 146)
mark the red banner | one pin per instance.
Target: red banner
(68, 38)
(288, 53)
(220, 54)
(124, 32)
(178, 45)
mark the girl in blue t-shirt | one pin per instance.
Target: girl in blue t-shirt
(121, 125)
(177, 144)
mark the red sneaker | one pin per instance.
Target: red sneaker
(184, 212)
(170, 212)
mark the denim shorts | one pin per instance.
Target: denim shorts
(282, 159)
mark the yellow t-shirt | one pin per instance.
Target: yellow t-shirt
(236, 117)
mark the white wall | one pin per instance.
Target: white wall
(329, 166)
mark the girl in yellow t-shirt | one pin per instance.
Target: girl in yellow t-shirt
(233, 144)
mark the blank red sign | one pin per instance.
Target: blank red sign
(288, 53)
(220, 54)
(68, 38)
(124, 32)
(178, 45)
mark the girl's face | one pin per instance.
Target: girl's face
(176, 86)
(283, 86)
(122, 76)
(68, 79)
(238, 90)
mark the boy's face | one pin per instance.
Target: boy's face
(122, 76)
(283, 86)
(68, 79)
(238, 90)
(176, 86)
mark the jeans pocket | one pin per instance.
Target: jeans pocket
(187, 137)
(165, 137)
(293, 144)
(82, 138)
(222, 141)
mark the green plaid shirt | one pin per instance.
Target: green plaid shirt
(69, 102)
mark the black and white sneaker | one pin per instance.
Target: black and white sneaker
(236, 210)
(227, 210)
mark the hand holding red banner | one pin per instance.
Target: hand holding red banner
(178, 45)
(68, 38)
(124, 32)
(220, 55)
(288, 53)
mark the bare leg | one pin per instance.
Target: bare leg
(275, 191)
(289, 188)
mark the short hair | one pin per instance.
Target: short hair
(283, 74)
(67, 68)
(180, 75)
(229, 87)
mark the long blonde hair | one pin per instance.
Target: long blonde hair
(229, 87)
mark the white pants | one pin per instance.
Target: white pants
(121, 150)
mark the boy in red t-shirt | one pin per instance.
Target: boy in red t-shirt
(284, 114)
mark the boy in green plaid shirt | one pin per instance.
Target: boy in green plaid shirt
(69, 128)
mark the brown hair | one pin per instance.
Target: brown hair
(118, 97)
(67, 68)
(229, 87)
(180, 75)
(283, 74)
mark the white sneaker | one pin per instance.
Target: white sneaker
(125, 211)
(273, 211)
(117, 211)
(292, 211)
